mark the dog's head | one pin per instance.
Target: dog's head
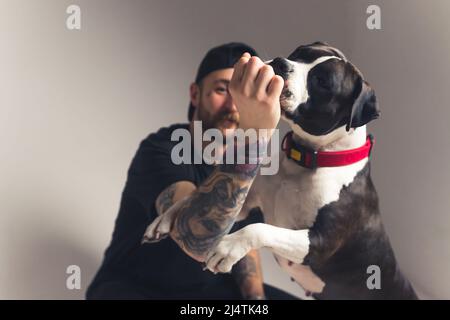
(323, 91)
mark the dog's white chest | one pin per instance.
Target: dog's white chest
(292, 200)
(300, 192)
(296, 204)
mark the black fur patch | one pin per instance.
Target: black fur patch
(346, 238)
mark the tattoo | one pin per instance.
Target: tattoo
(243, 170)
(253, 155)
(165, 199)
(210, 213)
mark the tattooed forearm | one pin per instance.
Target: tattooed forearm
(248, 275)
(209, 213)
(165, 199)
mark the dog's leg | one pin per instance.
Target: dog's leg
(290, 244)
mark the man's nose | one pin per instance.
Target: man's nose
(229, 104)
(282, 67)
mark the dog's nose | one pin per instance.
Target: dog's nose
(281, 67)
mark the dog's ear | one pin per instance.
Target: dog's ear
(365, 108)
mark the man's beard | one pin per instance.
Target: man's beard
(222, 120)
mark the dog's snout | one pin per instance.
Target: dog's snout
(281, 67)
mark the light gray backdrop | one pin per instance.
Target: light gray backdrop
(74, 106)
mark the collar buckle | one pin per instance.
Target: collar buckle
(313, 159)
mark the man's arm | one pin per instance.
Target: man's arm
(200, 220)
(210, 212)
(248, 275)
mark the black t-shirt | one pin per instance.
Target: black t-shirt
(160, 267)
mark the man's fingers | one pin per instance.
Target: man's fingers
(246, 55)
(250, 73)
(263, 79)
(275, 87)
(239, 68)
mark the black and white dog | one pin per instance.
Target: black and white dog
(322, 220)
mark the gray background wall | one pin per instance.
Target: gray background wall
(74, 106)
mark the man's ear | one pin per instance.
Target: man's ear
(194, 92)
(365, 108)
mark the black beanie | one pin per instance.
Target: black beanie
(221, 57)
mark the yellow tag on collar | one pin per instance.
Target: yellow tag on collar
(296, 155)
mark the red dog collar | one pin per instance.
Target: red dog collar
(312, 159)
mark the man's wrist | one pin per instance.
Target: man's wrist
(244, 158)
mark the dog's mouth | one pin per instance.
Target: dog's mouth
(286, 98)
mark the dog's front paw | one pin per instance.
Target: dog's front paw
(159, 228)
(229, 251)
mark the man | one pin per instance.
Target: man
(206, 199)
